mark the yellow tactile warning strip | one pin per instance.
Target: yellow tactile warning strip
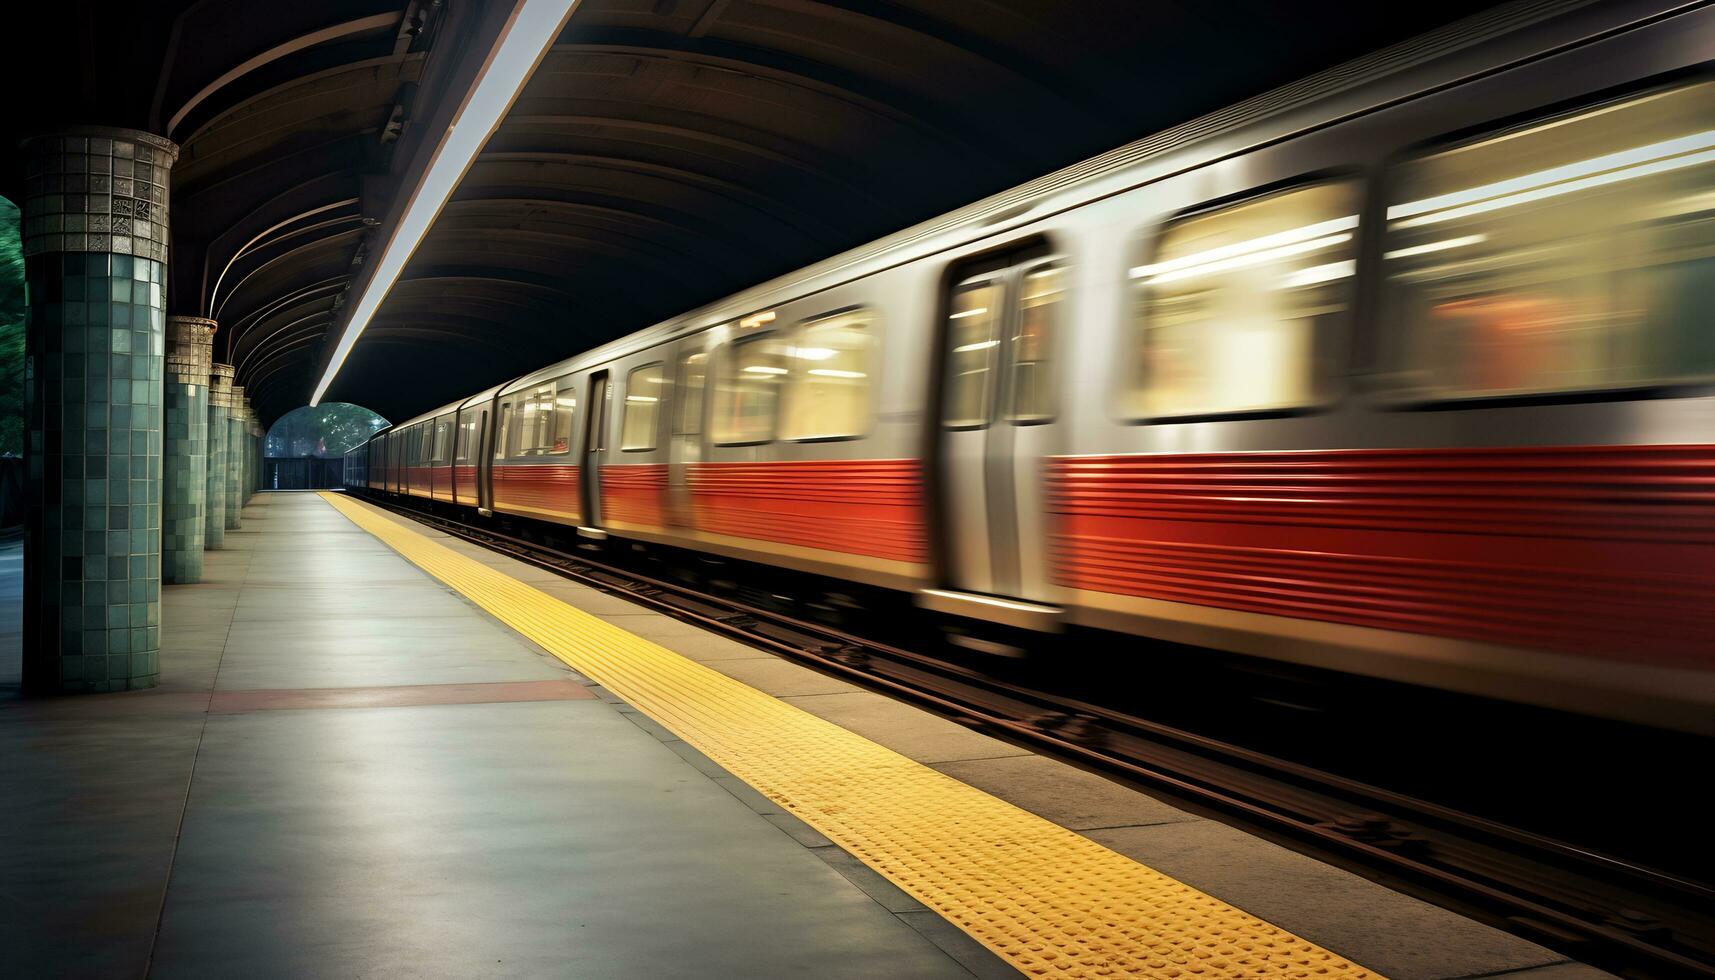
(1046, 900)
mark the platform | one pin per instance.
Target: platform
(356, 767)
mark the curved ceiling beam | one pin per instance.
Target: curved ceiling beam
(240, 366)
(502, 278)
(324, 159)
(620, 216)
(802, 220)
(535, 171)
(881, 17)
(326, 242)
(335, 32)
(329, 288)
(481, 309)
(504, 241)
(355, 68)
(214, 292)
(733, 145)
(862, 93)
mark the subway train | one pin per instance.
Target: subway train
(1403, 370)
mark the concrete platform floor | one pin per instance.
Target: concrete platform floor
(376, 779)
(349, 771)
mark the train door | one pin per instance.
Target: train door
(485, 459)
(997, 425)
(685, 442)
(595, 451)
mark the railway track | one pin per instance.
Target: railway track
(1622, 915)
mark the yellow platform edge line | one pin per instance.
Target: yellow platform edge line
(1046, 900)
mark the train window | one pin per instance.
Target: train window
(1572, 254)
(565, 407)
(693, 371)
(828, 393)
(465, 437)
(595, 420)
(503, 443)
(643, 387)
(1030, 394)
(747, 392)
(535, 422)
(424, 445)
(443, 438)
(1241, 307)
(973, 324)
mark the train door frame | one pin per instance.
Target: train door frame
(599, 393)
(684, 440)
(988, 503)
(485, 416)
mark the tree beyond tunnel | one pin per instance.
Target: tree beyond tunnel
(329, 429)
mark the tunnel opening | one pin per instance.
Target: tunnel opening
(11, 367)
(304, 448)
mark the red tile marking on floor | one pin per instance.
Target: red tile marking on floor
(232, 702)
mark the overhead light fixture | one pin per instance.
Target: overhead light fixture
(523, 41)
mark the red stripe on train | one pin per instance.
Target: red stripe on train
(464, 482)
(634, 494)
(861, 507)
(551, 487)
(1597, 550)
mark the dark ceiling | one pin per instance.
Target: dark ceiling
(666, 152)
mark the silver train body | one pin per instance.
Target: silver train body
(1403, 370)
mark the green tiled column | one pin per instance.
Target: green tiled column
(95, 246)
(253, 456)
(235, 460)
(184, 456)
(219, 411)
(249, 463)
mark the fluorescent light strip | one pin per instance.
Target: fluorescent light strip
(535, 25)
(979, 345)
(979, 311)
(835, 373)
(1554, 175)
(1247, 247)
(1571, 186)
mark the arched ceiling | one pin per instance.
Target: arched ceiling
(666, 152)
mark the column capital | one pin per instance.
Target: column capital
(190, 349)
(97, 189)
(220, 385)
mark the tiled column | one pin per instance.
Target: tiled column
(184, 457)
(249, 452)
(95, 246)
(219, 411)
(257, 433)
(235, 459)
(254, 444)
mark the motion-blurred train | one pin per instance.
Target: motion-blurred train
(1404, 370)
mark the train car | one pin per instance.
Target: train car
(351, 468)
(1401, 370)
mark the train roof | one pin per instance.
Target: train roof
(1410, 67)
